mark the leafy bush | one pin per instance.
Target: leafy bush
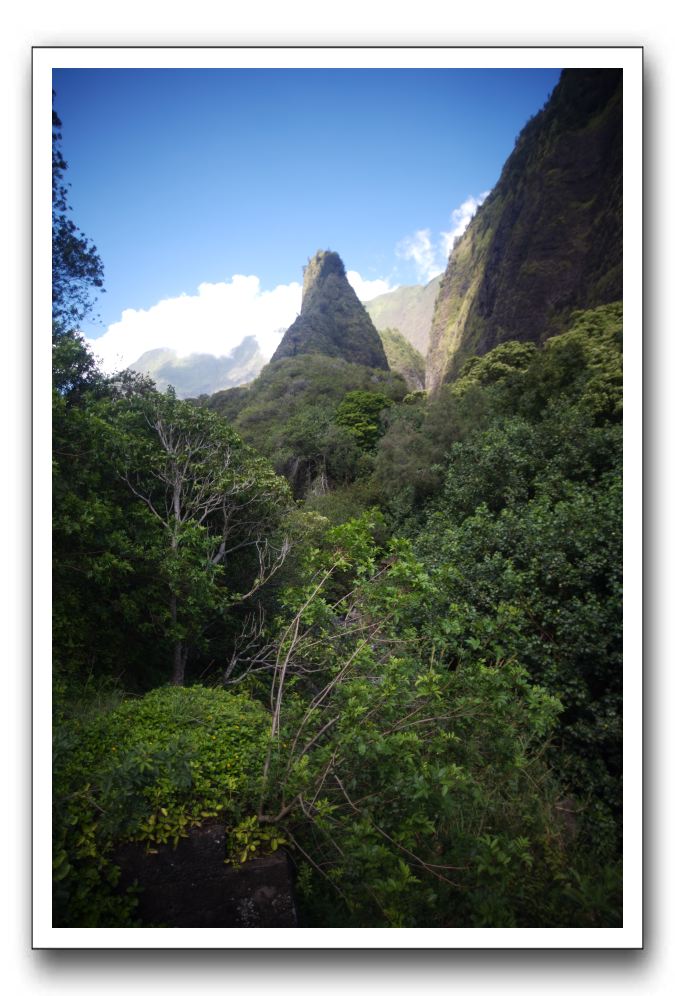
(146, 771)
(411, 793)
(359, 412)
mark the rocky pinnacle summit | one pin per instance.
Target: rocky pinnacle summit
(332, 320)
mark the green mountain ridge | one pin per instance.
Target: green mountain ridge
(548, 239)
(403, 358)
(288, 414)
(409, 309)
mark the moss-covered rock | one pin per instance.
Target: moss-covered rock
(403, 358)
(332, 320)
(548, 239)
(409, 309)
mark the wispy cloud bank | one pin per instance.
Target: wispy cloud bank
(419, 248)
(459, 219)
(429, 254)
(366, 290)
(214, 320)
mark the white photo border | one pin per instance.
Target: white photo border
(630, 59)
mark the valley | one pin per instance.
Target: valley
(361, 605)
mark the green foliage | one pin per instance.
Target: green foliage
(343, 502)
(250, 840)
(103, 559)
(423, 689)
(582, 367)
(209, 496)
(500, 363)
(147, 771)
(77, 270)
(73, 366)
(164, 521)
(527, 537)
(417, 794)
(411, 792)
(359, 412)
(289, 415)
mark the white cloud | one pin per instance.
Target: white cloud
(366, 290)
(420, 249)
(460, 218)
(430, 255)
(214, 320)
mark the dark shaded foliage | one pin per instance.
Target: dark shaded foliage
(77, 270)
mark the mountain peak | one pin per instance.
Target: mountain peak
(332, 320)
(323, 263)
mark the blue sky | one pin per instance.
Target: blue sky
(186, 178)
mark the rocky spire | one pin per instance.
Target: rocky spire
(332, 320)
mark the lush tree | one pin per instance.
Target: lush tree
(526, 534)
(104, 557)
(290, 415)
(359, 412)
(77, 270)
(212, 500)
(581, 367)
(77, 274)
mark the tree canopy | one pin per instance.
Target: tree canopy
(77, 269)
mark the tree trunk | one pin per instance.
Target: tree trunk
(179, 650)
(179, 661)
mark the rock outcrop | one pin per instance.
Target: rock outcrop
(548, 239)
(332, 320)
(191, 886)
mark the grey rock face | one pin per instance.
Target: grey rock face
(191, 886)
(332, 320)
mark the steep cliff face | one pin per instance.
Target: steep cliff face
(403, 358)
(409, 309)
(548, 239)
(332, 320)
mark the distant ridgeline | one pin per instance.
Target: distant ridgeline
(409, 310)
(548, 239)
(201, 373)
(332, 320)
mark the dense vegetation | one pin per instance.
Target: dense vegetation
(291, 415)
(378, 629)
